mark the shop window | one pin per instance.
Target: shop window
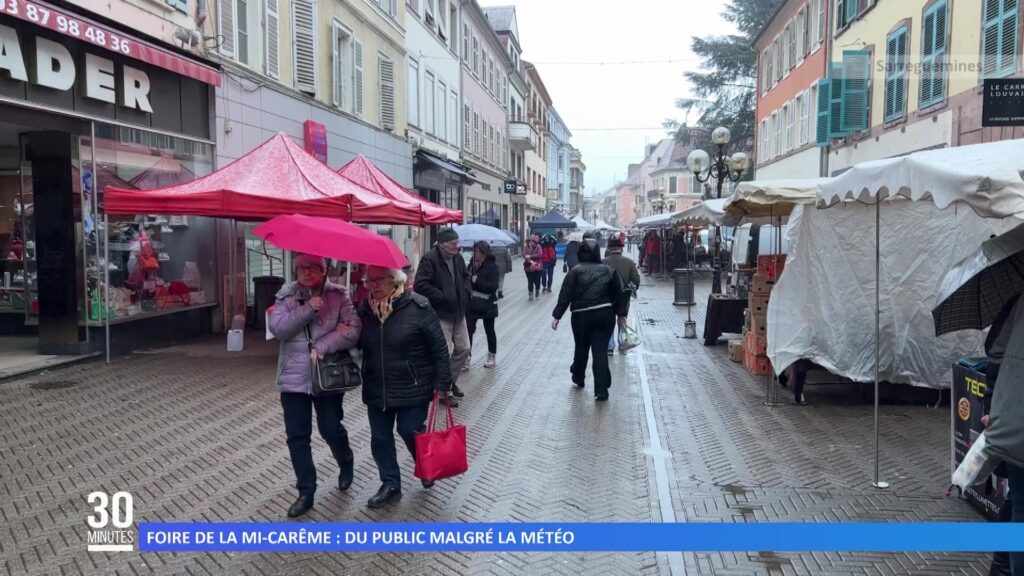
(158, 263)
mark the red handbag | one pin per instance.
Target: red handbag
(440, 453)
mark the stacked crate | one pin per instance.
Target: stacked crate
(755, 337)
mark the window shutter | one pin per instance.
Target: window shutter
(999, 52)
(895, 78)
(1008, 42)
(272, 39)
(851, 10)
(357, 77)
(304, 32)
(824, 104)
(226, 22)
(806, 19)
(335, 67)
(856, 68)
(835, 113)
(933, 51)
(386, 74)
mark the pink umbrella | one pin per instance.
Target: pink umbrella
(331, 238)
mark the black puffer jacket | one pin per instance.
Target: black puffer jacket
(406, 358)
(434, 280)
(592, 284)
(486, 284)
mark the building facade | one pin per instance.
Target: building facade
(577, 187)
(558, 159)
(913, 80)
(792, 59)
(537, 103)
(485, 69)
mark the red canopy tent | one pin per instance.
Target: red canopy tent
(163, 173)
(278, 177)
(366, 174)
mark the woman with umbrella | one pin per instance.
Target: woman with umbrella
(312, 318)
(483, 299)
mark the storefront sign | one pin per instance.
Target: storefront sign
(316, 140)
(968, 407)
(53, 66)
(1003, 103)
(66, 23)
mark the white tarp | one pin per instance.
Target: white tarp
(822, 308)
(582, 224)
(602, 225)
(987, 177)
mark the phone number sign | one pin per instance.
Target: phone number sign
(58, 20)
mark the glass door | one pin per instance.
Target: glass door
(26, 207)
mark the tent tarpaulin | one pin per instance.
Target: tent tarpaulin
(987, 177)
(822, 307)
(366, 174)
(553, 219)
(709, 212)
(276, 178)
(582, 224)
(602, 225)
(769, 199)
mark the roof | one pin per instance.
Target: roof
(768, 24)
(501, 17)
(534, 75)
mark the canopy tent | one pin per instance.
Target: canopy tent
(276, 178)
(582, 224)
(602, 225)
(709, 212)
(770, 199)
(986, 177)
(552, 219)
(366, 174)
(164, 172)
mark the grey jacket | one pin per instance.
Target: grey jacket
(626, 269)
(1005, 431)
(503, 258)
(291, 314)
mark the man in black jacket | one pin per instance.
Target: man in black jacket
(441, 279)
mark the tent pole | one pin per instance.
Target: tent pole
(348, 278)
(231, 272)
(878, 322)
(106, 279)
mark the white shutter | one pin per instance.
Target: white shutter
(226, 22)
(386, 70)
(272, 39)
(304, 32)
(336, 83)
(357, 77)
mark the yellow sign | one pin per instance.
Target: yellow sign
(976, 387)
(964, 409)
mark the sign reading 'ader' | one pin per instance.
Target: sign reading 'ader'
(1003, 103)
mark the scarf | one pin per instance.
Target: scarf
(383, 308)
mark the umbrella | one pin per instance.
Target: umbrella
(331, 238)
(979, 286)
(470, 234)
(515, 239)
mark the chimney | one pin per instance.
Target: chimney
(633, 169)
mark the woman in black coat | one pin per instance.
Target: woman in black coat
(483, 300)
(405, 359)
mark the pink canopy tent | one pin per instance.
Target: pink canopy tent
(276, 178)
(163, 173)
(365, 173)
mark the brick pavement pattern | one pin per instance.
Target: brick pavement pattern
(195, 434)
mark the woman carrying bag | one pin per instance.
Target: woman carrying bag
(483, 299)
(533, 265)
(312, 318)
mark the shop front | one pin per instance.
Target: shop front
(440, 181)
(80, 111)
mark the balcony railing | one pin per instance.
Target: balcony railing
(521, 135)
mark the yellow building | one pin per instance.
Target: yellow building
(907, 75)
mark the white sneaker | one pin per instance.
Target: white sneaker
(490, 362)
(531, 296)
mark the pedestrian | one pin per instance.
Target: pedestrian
(1005, 429)
(503, 259)
(533, 265)
(572, 250)
(595, 294)
(312, 313)
(441, 278)
(627, 271)
(405, 359)
(642, 248)
(549, 257)
(483, 299)
(653, 253)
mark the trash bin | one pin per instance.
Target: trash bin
(265, 289)
(683, 286)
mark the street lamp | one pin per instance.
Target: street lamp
(723, 167)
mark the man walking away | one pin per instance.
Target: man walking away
(441, 279)
(503, 258)
(627, 270)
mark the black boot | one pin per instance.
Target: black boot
(385, 496)
(346, 473)
(301, 505)
(457, 392)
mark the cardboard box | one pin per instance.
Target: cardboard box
(736, 350)
(755, 344)
(759, 325)
(757, 365)
(770, 266)
(757, 302)
(761, 283)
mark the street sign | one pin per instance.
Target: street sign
(1003, 102)
(510, 187)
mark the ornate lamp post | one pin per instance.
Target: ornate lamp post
(722, 168)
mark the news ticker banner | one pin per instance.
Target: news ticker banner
(577, 537)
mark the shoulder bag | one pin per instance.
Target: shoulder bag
(334, 373)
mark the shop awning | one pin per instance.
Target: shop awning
(365, 173)
(444, 165)
(769, 200)
(276, 178)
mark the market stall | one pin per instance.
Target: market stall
(366, 174)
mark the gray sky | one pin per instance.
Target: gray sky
(555, 32)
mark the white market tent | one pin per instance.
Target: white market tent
(709, 212)
(759, 199)
(828, 282)
(582, 224)
(602, 225)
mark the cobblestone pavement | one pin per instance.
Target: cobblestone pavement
(195, 434)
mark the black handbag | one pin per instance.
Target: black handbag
(334, 373)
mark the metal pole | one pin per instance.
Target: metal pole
(878, 483)
(106, 279)
(231, 275)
